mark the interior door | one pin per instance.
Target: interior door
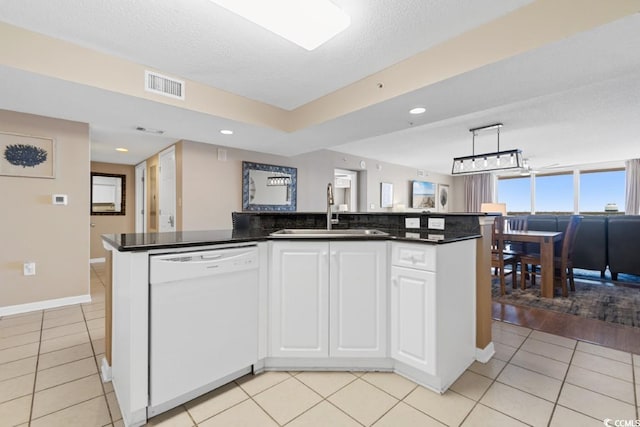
(167, 190)
(141, 198)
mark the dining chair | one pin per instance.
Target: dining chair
(563, 264)
(499, 258)
(517, 223)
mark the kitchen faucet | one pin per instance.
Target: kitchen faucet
(330, 202)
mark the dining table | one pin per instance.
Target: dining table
(546, 239)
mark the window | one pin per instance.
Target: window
(554, 194)
(601, 188)
(516, 193)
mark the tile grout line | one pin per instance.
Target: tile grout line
(93, 351)
(67, 407)
(494, 380)
(569, 365)
(254, 401)
(184, 406)
(77, 403)
(303, 412)
(262, 409)
(326, 399)
(35, 376)
(220, 412)
(636, 387)
(564, 381)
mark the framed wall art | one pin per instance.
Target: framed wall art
(27, 156)
(443, 198)
(423, 195)
(386, 195)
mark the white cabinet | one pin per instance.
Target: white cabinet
(433, 311)
(413, 323)
(357, 299)
(328, 299)
(299, 299)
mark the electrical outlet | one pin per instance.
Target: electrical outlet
(29, 268)
(436, 223)
(412, 223)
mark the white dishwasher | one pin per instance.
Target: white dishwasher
(203, 326)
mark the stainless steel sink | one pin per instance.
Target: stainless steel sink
(322, 233)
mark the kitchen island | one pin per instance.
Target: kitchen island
(403, 302)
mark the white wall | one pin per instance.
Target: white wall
(212, 189)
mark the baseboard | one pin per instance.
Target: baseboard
(483, 355)
(43, 305)
(105, 370)
(97, 260)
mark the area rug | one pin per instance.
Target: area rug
(594, 298)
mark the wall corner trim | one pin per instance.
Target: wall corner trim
(43, 305)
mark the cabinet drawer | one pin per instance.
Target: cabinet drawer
(419, 256)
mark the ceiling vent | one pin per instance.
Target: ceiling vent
(163, 85)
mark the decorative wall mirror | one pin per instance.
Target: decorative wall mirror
(107, 194)
(268, 187)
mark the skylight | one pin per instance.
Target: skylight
(307, 23)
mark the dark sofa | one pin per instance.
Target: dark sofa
(590, 246)
(623, 243)
(602, 241)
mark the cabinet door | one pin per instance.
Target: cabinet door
(413, 318)
(358, 299)
(299, 299)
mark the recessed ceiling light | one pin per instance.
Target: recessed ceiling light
(308, 23)
(226, 132)
(417, 110)
(122, 150)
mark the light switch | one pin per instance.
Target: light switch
(59, 199)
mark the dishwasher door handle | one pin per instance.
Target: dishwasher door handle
(217, 256)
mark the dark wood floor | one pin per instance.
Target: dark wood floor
(620, 337)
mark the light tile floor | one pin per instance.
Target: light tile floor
(49, 377)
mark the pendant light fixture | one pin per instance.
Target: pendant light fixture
(479, 163)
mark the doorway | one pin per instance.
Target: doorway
(167, 190)
(141, 198)
(346, 190)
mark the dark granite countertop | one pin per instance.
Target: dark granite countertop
(137, 242)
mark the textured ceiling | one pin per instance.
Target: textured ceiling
(201, 41)
(571, 101)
